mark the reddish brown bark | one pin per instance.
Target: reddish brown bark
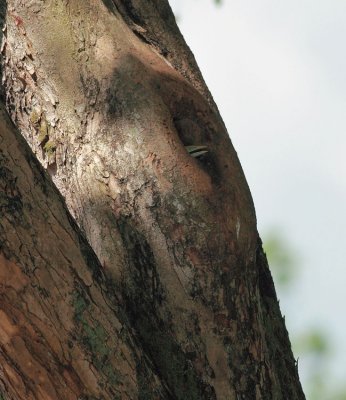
(62, 333)
(108, 95)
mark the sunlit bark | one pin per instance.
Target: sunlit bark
(108, 96)
(63, 334)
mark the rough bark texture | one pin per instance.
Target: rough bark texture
(63, 334)
(108, 95)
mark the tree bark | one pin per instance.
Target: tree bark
(63, 334)
(108, 96)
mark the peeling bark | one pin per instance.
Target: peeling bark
(108, 96)
(63, 334)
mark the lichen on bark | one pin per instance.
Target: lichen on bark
(108, 96)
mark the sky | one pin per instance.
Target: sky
(277, 71)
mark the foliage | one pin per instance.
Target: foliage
(313, 346)
(282, 260)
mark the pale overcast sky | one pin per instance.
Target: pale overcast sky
(277, 71)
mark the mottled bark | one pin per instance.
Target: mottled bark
(108, 95)
(63, 334)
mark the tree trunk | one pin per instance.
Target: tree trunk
(108, 96)
(63, 334)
